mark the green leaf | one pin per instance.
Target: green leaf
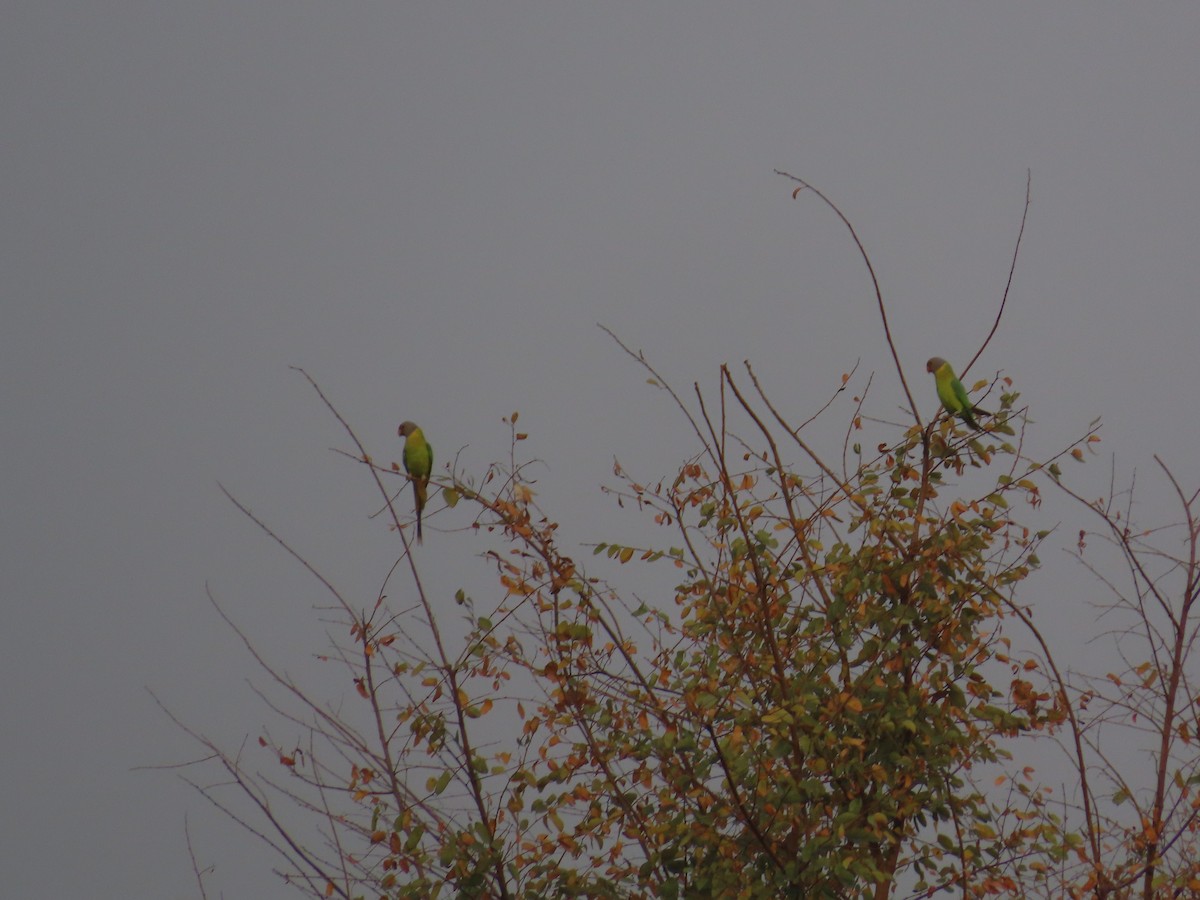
(439, 784)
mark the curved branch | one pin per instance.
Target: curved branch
(1011, 271)
(887, 330)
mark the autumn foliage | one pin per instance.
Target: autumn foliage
(828, 703)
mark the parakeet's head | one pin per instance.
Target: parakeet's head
(932, 366)
(407, 428)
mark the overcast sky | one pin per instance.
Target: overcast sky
(429, 207)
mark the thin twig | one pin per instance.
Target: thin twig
(1011, 271)
(887, 329)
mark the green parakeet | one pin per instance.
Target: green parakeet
(418, 463)
(951, 391)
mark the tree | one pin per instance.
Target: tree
(1143, 841)
(820, 709)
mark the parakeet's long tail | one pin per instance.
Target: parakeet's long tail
(419, 503)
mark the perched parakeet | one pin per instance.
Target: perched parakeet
(951, 391)
(418, 463)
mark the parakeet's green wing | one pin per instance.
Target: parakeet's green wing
(418, 456)
(960, 394)
(949, 390)
(945, 392)
(964, 402)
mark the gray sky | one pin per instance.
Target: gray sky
(429, 207)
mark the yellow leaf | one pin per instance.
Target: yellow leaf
(777, 716)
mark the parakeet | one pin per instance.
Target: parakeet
(418, 463)
(951, 391)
